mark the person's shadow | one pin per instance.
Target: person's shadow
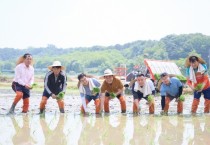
(56, 135)
(22, 135)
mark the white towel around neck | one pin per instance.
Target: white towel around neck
(91, 86)
(192, 76)
(146, 89)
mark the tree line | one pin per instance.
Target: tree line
(97, 58)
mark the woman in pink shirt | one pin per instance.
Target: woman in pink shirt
(24, 77)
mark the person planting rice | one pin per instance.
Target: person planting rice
(143, 88)
(110, 88)
(198, 81)
(22, 82)
(89, 90)
(54, 86)
(171, 88)
(162, 94)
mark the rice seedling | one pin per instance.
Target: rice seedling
(182, 98)
(112, 95)
(34, 85)
(199, 87)
(96, 90)
(150, 98)
(157, 76)
(60, 96)
(182, 78)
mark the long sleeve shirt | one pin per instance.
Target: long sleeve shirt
(24, 75)
(55, 85)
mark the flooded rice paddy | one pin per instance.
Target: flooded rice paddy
(115, 128)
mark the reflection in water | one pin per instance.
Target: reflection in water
(103, 130)
(56, 135)
(171, 130)
(201, 131)
(71, 129)
(144, 129)
(22, 133)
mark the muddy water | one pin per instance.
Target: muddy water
(113, 129)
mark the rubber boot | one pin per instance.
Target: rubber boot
(82, 108)
(123, 104)
(12, 109)
(167, 101)
(136, 109)
(206, 106)
(179, 107)
(61, 106)
(25, 105)
(151, 108)
(42, 111)
(97, 104)
(42, 104)
(106, 105)
(195, 105)
(19, 95)
(62, 110)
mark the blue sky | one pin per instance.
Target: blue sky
(75, 23)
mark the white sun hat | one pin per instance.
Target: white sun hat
(56, 63)
(108, 72)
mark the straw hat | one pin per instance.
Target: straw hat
(56, 63)
(107, 72)
(187, 62)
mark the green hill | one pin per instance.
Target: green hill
(97, 58)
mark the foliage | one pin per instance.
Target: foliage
(98, 58)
